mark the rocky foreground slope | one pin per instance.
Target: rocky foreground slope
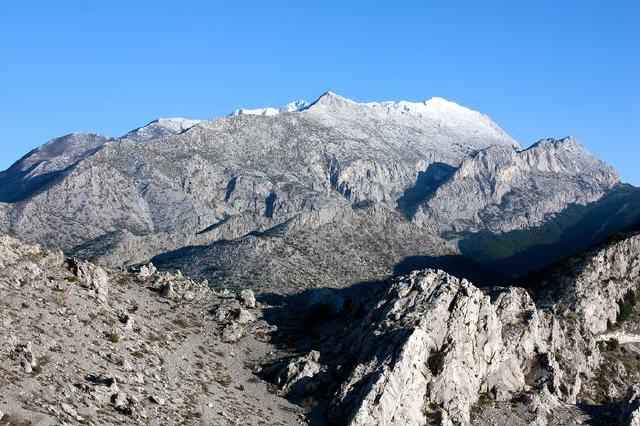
(83, 345)
(86, 345)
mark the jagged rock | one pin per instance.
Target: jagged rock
(602, 281)
(27, 358)
(299, 376)
(437, 339)
(434, 345)
(630, 413)
(233, 332)
(92, 277)
(146, 271)
(124, 403)
(166, 290)
(248, 299)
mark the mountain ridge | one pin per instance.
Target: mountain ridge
(432, 168)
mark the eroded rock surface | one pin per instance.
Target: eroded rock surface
(435, 349)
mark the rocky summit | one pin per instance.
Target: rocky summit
(325, 263)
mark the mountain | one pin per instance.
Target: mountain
(31, 173)
(411, 262)
(358, 189)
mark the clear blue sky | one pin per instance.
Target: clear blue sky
(539, 68)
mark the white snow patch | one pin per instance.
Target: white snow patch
(270, 112)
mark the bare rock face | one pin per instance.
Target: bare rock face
(603, 281)
(435, 342)
(435, 349)
(93, 277)
(299, 376)
(501, 189)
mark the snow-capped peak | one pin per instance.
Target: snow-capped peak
(269, 111)
(429, 108)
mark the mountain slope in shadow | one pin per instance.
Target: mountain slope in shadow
(575, 229)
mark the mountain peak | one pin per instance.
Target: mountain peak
(568, 142)
(332, 99)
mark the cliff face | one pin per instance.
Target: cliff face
(501, 189)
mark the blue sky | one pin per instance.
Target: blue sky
(538, 68)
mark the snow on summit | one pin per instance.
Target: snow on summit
(269, 111)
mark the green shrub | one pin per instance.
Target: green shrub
(613, 345)
(112, 337)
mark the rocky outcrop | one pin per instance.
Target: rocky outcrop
(92, 277)
(435, 349)
(602, 280)
(435, 346)
(299, 376)
(248, 298)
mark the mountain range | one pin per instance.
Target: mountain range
(281, 196)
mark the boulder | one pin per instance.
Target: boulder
(93, 277)
(146, 271)
(232, 333)
(300, 375)
(248, 298)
